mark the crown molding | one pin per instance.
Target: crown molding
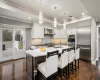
(11, 26)
(25, 9)
(12, 18)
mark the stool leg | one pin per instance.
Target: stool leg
(75, 65)
(78, 63)
(61, 73)
(68, 70)
(56, 76)
(72, 67)
(38, 75)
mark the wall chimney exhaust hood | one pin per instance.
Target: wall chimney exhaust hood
(48, 31)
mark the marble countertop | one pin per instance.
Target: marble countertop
(37, 52)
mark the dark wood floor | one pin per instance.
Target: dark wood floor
(16, 70)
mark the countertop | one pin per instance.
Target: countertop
(37, 52)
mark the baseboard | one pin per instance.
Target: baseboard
(93, 62)
(97, 59)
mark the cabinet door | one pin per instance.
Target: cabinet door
(57, 33)
(71, 31)
(37, 31)
(63, 33)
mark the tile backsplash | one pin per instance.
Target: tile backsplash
(37, 41)
(59, 41)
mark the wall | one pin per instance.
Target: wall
(4, 22)
(28, 38)
(14, 22)
(93, 40)
(0, 42)
(47, 39)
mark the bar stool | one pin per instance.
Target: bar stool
(63, 62)
(71, 60)
(77, 56)
(49, 68)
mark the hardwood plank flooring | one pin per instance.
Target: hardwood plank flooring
(16, 70)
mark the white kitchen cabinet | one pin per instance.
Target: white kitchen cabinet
(63, 33)
(71, 31)
(60, 33)
(37, 31)
(57, 33)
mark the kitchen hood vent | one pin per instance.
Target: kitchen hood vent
(48, 31)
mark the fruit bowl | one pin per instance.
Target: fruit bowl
(42, 49)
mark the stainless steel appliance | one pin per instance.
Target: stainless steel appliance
(48, 31)
(71, 40)
(84, 42)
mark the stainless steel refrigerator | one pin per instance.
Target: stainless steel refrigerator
(84, 42)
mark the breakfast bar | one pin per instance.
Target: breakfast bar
(36, 56)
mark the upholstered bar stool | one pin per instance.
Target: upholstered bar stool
(71, 60)
(63, 62)
(49, 68)
(77, 56)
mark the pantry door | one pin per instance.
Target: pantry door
(19, 43)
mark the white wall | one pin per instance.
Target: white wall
(37, 31)
(47, 39)
(0, 42)
(79, 24)
(93, 40)
(14, 22)
(28, 38)
(4, 22)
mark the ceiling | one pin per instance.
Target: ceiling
(64, 8)
(92, 7)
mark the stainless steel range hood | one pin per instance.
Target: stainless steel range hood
(48, 31)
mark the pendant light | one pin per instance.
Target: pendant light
(55, 22)
(64, 25)
(55, 19)
(40, 15)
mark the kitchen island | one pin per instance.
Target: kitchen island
(36, 56)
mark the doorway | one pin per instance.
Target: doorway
(7, 44)
(19, 43)
(13, 43)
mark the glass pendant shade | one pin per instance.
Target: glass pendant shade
(64, 25)
(41, 17)
(55, 22)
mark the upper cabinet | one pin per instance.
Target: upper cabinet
(57, 32)
(71, 31)
(60, 33)
(37, 31)
(63, 33)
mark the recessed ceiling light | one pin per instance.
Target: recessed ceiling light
(55, 7)
(29, 18)
(83, 14)
(72, 18)
(65, 13)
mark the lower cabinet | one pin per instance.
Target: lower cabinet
(29, 67)
(32, 65)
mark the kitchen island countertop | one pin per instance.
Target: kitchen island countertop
(37, 52)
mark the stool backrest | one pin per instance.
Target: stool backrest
(77, 53)
(71, 56)
(52, 62)
(64, 58)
